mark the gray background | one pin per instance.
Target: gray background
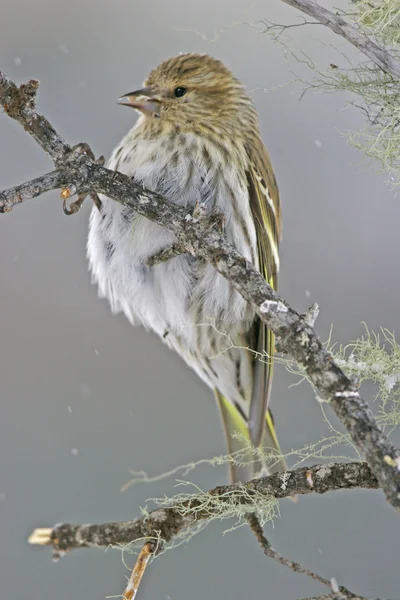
(85, 397)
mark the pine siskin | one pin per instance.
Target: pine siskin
(197, 141)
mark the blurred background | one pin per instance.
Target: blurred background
(85, 397)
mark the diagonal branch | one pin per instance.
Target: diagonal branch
(294, 333)
(380, 56)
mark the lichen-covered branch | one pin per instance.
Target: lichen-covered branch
(19, 104)
(163, 524)
(380, 56)
(166, 523)
(294, 335)
(31, 189)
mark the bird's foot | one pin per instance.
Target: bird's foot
(213, 219)
(67, 192)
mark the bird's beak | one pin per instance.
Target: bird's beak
(146, 100)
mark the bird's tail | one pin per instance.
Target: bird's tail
(247, 464)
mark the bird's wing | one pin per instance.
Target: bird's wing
(265, 207)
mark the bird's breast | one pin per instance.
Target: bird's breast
(169, 296)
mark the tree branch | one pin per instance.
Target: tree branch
(166, 523)
(163, 524)
(19, 104)
(380, 56)
(30, 189)
(294, 335)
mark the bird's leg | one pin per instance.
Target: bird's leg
(217, 219)
(67, 192)
(214, 218)
(200, 210)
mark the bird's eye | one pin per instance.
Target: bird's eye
(179, 92)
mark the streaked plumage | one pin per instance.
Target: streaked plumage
(197, 141)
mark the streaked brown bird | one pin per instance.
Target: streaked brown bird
(197, 142)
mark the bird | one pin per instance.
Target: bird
(197, 142)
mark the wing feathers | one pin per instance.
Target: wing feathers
(265, 206)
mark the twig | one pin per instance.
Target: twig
(31, 189)
(165, 255)
(138, 571)
(312, 314)
(293, 333)
(271, 553)
(380, 56)
(165, 523)
(276, 29)
(338, 593)
(19, 104)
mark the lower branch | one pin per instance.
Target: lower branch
(166, 523)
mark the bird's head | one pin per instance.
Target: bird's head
(194, 92)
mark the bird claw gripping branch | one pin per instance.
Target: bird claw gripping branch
(214, 218)
(69, 191)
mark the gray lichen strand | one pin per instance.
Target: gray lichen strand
(294, 335)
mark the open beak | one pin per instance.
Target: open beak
(145, 100)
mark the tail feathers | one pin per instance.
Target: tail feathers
(246, 464)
